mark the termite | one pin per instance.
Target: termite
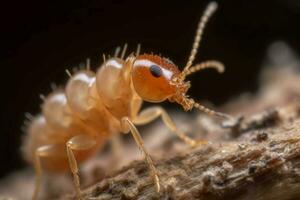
(93, 107)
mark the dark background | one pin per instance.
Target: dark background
(39, 40)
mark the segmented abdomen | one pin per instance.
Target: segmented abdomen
(91, 104)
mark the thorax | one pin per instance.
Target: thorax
(114, 86)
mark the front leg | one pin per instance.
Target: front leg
(152, 113)
(139, 141)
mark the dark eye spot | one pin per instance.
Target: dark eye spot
(155, 71)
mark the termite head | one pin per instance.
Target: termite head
(155, 78)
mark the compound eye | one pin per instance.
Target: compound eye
(156, 71)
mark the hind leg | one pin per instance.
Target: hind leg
(38, 174)
(47, 157)
(78, 143)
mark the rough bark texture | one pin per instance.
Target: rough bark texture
(265, 165)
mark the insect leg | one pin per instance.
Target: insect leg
(38, 173)
(139, 141)
(45, 157)
(77, 143)
(152, 113)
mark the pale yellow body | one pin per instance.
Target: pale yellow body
(91, 105)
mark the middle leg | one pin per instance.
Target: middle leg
(150, 114)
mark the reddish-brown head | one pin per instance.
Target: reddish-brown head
(153, 77)
(156, 79)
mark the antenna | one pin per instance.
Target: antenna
(210, 9)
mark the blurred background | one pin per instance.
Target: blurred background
(39, 40)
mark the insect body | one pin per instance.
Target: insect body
(77, 121)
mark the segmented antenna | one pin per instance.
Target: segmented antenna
(205, 65)
(210, 9)
(189, 103)
(211, 112)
